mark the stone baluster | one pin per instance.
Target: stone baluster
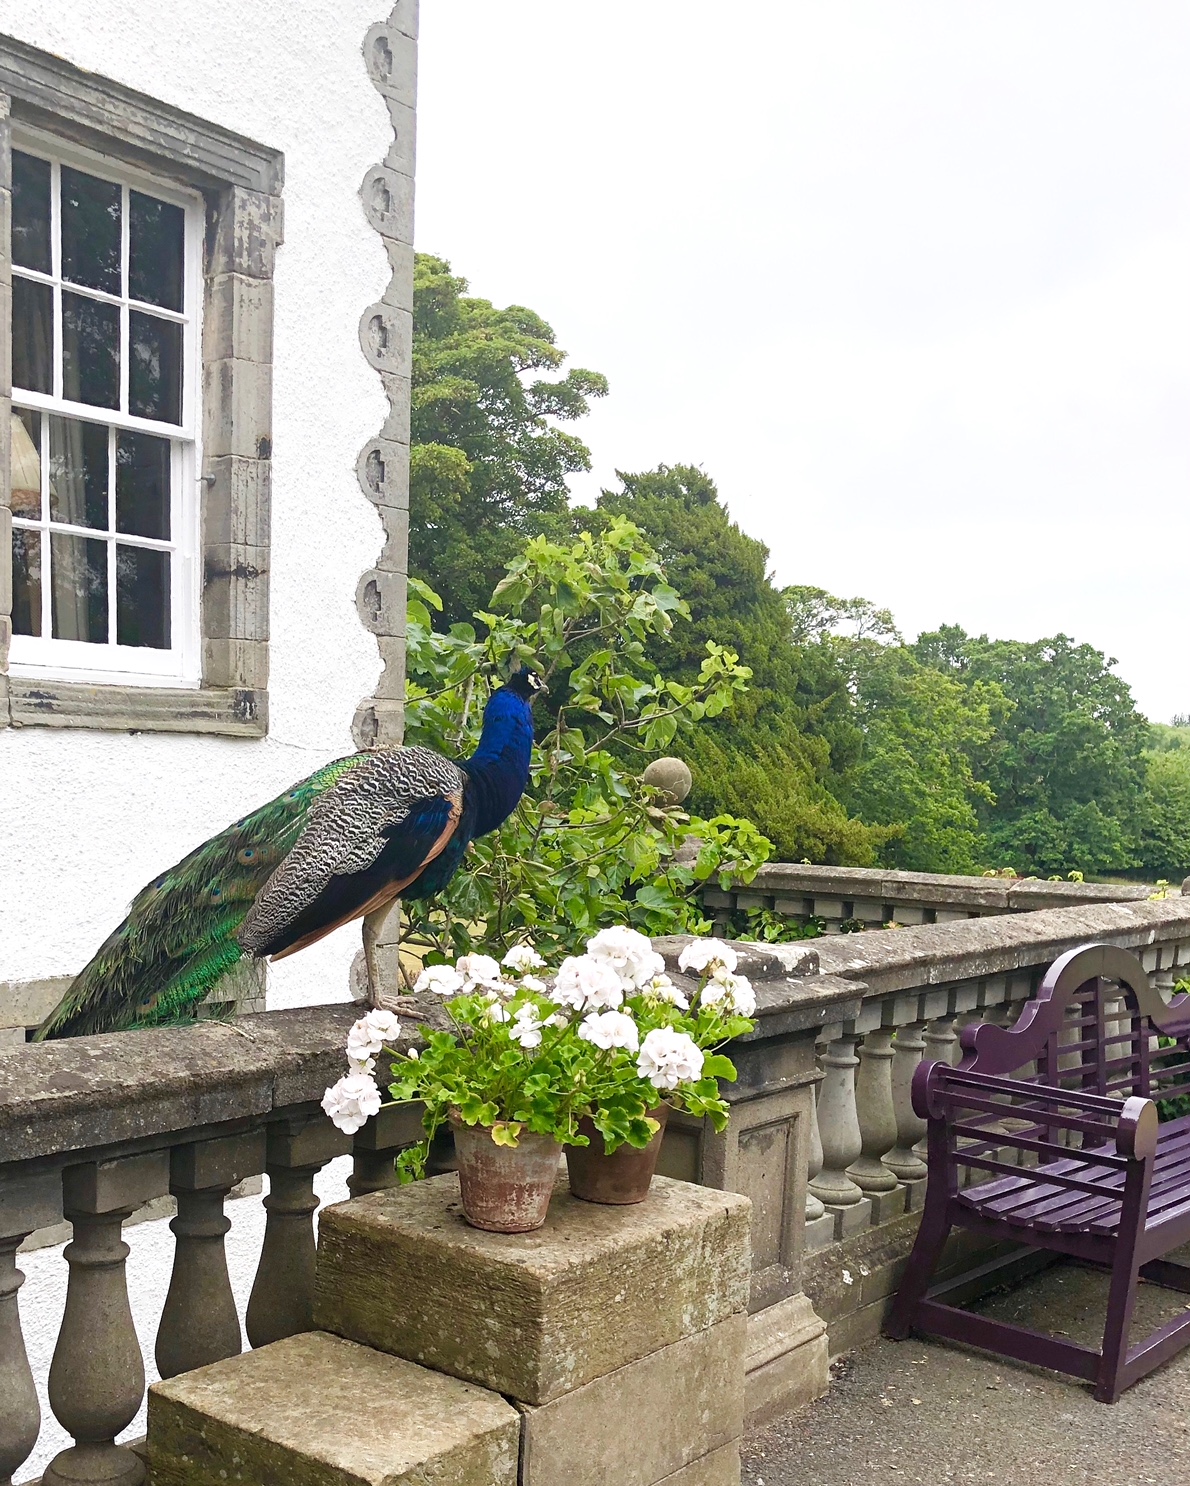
(941, 1045)
(199, 1323)
(282, 1299)
(24, 1207)
(903, 1161)
(877, 1125)
(374, 1149)
(97, 1377)
(814, 1207)
(1117, 1031)
(842, 1143)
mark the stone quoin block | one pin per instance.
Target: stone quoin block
(688, 1399)
(531, 1315)
(315, 1410)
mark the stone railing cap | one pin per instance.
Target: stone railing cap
(85, 1093)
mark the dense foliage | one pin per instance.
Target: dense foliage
(488, 464)
(848, 745)
(589, 844)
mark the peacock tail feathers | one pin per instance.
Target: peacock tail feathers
(178, 940)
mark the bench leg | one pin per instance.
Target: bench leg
(1125, 1273)
(1120, 1302)
(919, 1271)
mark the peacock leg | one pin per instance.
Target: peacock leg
(378, 997)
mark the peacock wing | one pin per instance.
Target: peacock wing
(365, 839)
(178, 939)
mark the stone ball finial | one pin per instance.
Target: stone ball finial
(671, 777)
(1186, 887)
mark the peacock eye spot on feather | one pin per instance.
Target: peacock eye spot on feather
(216, 894)
(246, 855)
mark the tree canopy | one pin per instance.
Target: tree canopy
(953, 753)
(488, 462)
(1065, 765)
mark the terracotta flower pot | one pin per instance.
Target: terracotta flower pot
(620, 1178)
(505, 1189)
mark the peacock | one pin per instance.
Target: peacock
(340, 845)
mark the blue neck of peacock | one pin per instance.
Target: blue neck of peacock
(499, 767)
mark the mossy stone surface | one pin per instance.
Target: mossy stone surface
(531, 1315)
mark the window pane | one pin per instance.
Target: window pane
(30, 212)
(78, 473)
(142, 597)
(25, 470)
(156, 240)
(32, 335)
(90, 351)
(78, 576)
(142, 485)
(26, 581)
(155, 368)
(90, 231)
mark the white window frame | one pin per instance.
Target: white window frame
(74, 660)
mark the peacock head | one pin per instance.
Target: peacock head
(526, 683)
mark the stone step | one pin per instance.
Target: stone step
(317, 1410)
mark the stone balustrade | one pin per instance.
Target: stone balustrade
(91, 1129)
(872, 898)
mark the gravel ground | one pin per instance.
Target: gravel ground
(930, 1412)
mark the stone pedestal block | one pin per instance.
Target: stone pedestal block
(851, 1219)
(322, 1411)
(819, 1232)
(533, 1315)
(688, 1399)
(788, 1366)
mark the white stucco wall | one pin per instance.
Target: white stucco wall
(86, 818)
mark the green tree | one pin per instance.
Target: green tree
(1165, 822)
(588, 845)
(1065, 764)
(488, 462)
(922, 729)
(769, 760)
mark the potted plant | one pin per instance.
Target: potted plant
(651, 1049)
(590, 1059)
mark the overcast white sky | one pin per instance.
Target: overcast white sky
(909, 278)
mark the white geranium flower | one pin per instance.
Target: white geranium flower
(557, 1020)
(478, 970)
(442, 980)
(585, 984)
(526, 1027)
(703, 954)
(368, 1036)
(629, 954)
(352, 1102)
(668, 1058)
(661, 988)
(522, 957)
(608, 1029)
(494, 1012)
(531, 983)
(734, 991)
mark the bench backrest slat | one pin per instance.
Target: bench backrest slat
(1096, 1026)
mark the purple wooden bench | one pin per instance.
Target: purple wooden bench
(1054, 1122)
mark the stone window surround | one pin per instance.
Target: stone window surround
(240, 182)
